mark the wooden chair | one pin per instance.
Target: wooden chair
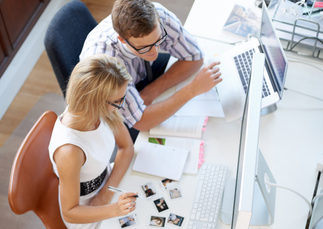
(33, 186)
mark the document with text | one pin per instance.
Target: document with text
(180, 126)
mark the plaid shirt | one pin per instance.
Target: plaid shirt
(103, 39)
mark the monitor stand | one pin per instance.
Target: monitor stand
(263, 198)
(316, 219)
(269, 109)
(317, 215)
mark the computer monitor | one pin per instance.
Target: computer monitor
(249, 201)
(271, 45)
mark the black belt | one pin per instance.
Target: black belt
(92, 185)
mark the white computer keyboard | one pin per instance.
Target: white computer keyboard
(208, 196)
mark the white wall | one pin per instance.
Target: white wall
(25, 59)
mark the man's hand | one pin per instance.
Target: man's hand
(206, 79)
(177, 73)
(156, 113)
(148, 94)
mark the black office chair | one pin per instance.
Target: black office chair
(65, 36)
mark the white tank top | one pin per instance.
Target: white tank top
(97, 146)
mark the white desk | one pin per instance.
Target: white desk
(290, 138)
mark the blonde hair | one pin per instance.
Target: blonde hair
(93, 82)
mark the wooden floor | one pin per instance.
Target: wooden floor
(42, 79)
(40, 82)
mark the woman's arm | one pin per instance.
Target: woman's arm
(69, 160)
(121, 164)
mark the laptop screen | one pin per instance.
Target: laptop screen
(274, 52)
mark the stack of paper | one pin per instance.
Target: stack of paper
(181, 132)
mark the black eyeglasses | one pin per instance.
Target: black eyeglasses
(149, 47)
(121, 103)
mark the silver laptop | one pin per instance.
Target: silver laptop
(236, 68)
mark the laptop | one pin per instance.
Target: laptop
(236, 68)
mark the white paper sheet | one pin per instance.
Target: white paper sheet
(207, 104)
(193, 147)
(201, 108)
(159, 160)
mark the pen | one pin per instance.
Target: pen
(114, 189)
(313, 12)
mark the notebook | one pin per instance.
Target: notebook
(236, 67)
(160, 160)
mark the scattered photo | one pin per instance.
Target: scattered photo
(242, 22)
(127, 221)
(157, 221)
(148, 189)
(165, 182)
(175, 219)
(160, 141)
(174, 191)
(161, 204)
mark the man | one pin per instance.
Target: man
(138, 32)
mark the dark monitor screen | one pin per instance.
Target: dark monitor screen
(274, 52)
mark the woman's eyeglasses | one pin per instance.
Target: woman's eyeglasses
(119, 104)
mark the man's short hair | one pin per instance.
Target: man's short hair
(133, 18)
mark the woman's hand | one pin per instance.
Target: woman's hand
(126, 203)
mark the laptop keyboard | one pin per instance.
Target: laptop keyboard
(243, 63)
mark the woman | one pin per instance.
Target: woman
(83, 140)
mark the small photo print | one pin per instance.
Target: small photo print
(148, 189)
(157, 221)
(160, 204)
(165, 182)
(242, 21)
(160, 141)
(174, 192)
(175, 219)
(127, 221)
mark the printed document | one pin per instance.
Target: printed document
(180, 126)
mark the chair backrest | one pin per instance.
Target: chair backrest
(33, 186)
(65, 37)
